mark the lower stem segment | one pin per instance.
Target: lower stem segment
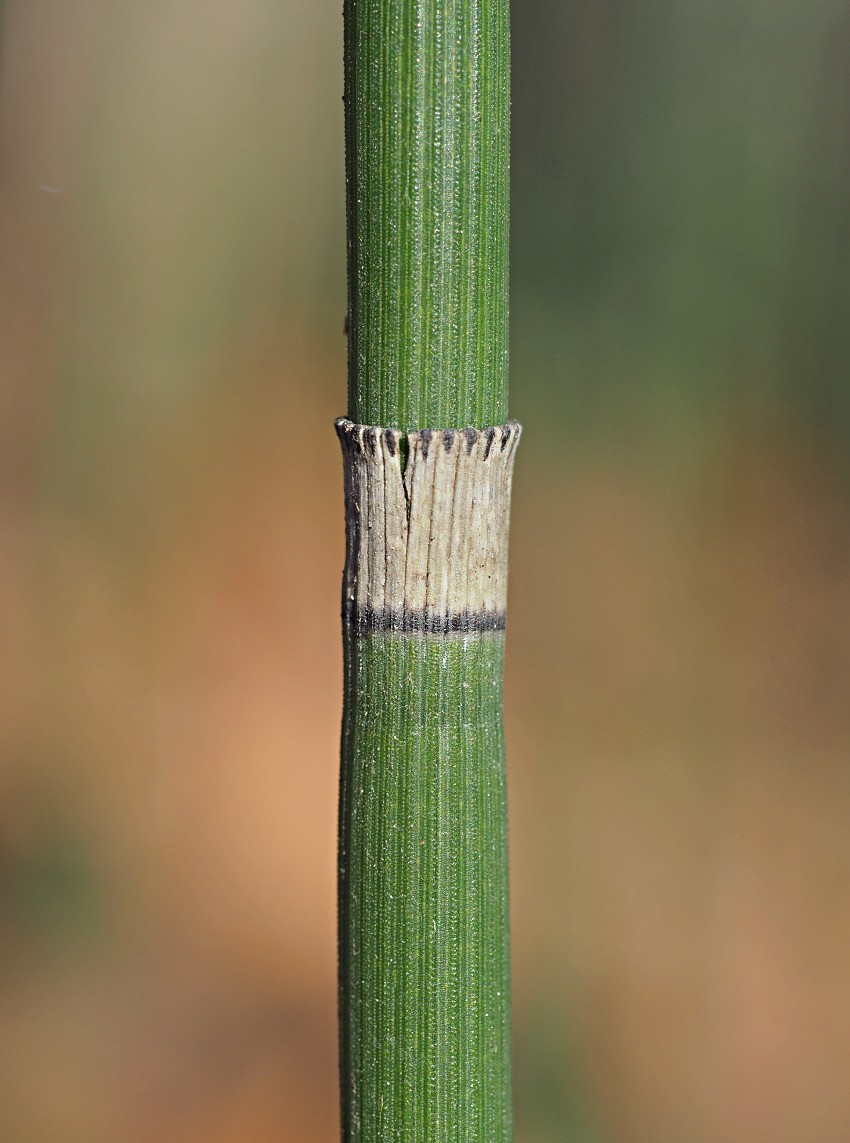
(423, 874)
(424, 954)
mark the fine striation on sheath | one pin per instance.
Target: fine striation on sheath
(427, 545)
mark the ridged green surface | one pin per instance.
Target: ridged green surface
(424, 958)
(427, 129)
(424, 964)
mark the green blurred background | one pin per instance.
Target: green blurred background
(171, 358)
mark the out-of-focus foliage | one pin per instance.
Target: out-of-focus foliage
(171, 358)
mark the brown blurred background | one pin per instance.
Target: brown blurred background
(171, 358)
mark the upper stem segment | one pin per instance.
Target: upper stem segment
(427, 126)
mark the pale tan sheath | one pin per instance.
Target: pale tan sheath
(427, 546)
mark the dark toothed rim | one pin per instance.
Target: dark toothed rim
(371, 433)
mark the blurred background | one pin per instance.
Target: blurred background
(171, 357)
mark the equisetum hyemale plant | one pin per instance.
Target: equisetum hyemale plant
(428, 456)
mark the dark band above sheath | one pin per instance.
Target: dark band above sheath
(427, 547)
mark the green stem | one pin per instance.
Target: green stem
(424, 925)
(427, 105)
(423, 922)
